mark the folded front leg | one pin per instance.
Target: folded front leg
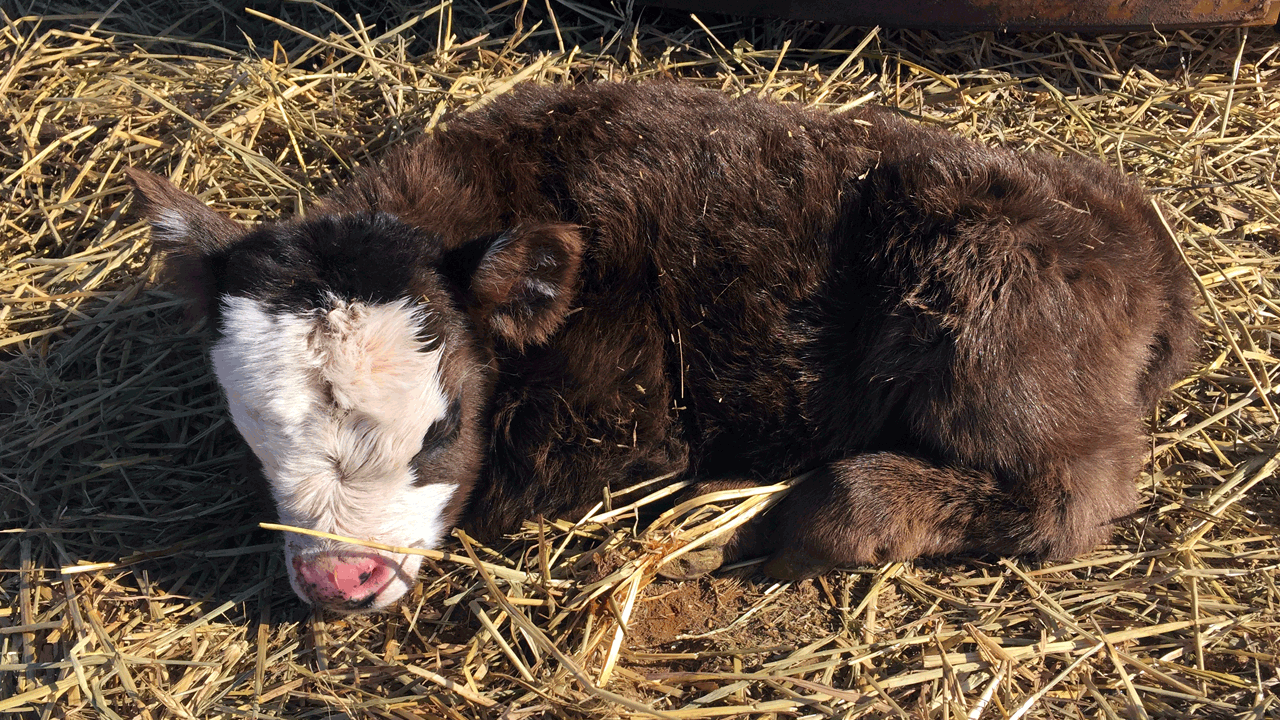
(881, 507)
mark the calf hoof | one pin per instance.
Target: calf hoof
(792, 565)
(694, 564)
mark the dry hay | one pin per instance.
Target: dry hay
(135, 581)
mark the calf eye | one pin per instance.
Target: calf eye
(441, 433)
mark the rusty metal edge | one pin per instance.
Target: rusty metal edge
(1089, 16)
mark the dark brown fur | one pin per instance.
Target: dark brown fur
(961, 340)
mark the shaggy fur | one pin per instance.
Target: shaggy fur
(636, 280)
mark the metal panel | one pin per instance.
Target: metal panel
(1079, 15)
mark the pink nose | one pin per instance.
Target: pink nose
(343, 582)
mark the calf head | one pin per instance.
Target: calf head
(355, 354)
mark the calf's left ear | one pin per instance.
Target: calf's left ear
(184, 233)
(524, 284)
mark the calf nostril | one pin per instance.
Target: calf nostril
(341, 581)
(349, 578)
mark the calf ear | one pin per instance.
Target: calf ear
(524, 283)
(184, 233)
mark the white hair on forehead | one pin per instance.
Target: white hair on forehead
(335, 404)
(373, 358)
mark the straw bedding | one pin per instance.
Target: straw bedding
(135, 580)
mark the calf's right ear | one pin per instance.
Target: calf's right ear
(525, 283)
(184, 233)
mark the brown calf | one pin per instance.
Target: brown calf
(576, 288)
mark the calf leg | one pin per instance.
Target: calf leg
(885, 506)
(882, 507)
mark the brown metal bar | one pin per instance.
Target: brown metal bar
(1076, 15)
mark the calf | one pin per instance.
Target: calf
(570, 289)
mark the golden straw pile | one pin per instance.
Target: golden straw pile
(135, 581)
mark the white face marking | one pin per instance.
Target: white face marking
(335, 405)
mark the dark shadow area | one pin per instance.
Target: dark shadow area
(117, 447)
